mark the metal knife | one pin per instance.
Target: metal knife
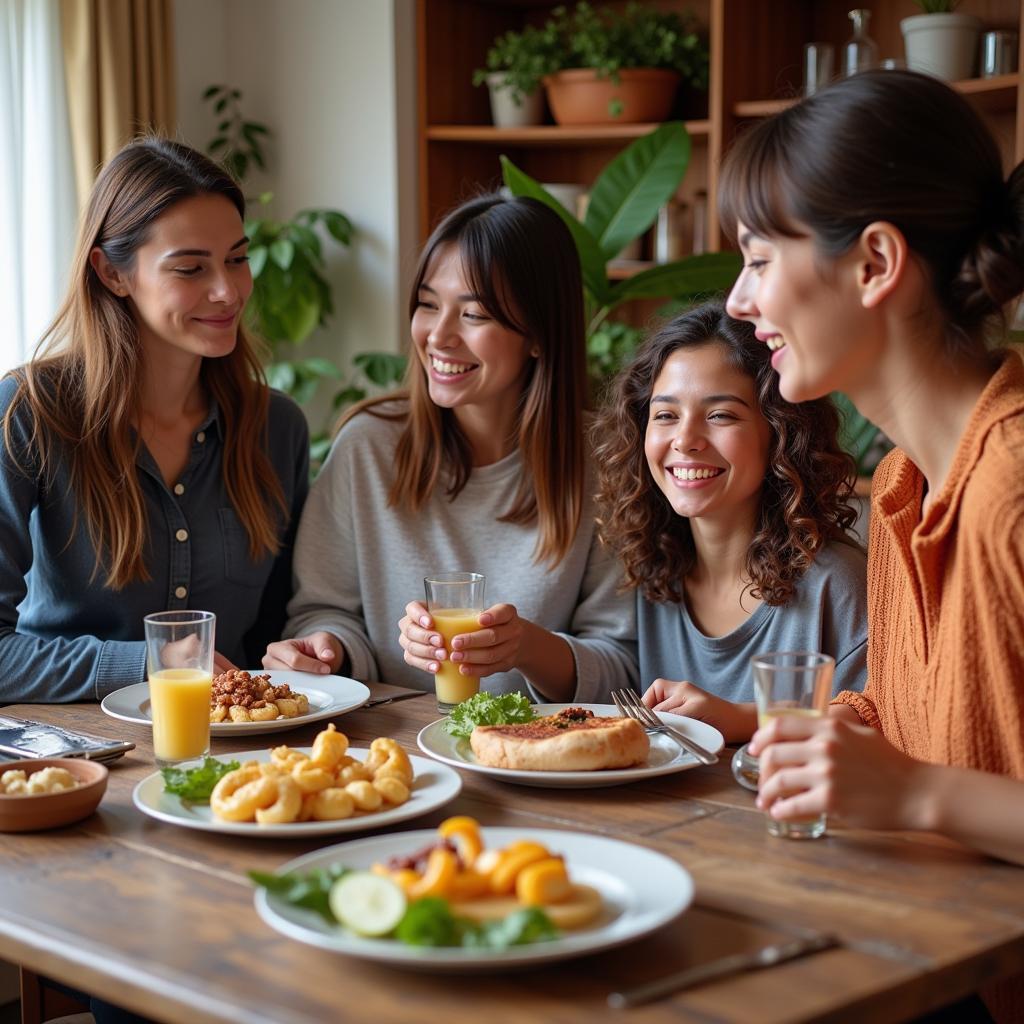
(768, 956)
(391, 700)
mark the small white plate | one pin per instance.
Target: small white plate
(642, 890)
(328, 696)
(666, 755)
(433, 786)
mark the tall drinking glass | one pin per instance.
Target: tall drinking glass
(793, 683)
(179, 649)
(455, 601)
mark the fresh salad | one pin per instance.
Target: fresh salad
(489, 709)
(374, 906)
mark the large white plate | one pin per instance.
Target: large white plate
(643, 891)
(666, 755)
(328, 696)
(433, 786)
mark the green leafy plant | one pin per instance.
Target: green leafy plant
(624, 203)
(238, 143)
(523, 58)
(291, 294)
(640, 36)
(937, 6)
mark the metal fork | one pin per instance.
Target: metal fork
(630, 705)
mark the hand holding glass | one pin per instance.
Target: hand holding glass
(455, 601)
(792, 683)
(180, 649)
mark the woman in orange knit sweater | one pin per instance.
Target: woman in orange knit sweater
(881, 245)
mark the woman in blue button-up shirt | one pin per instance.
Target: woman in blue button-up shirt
(145, 465)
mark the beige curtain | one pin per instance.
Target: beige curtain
(119, 66)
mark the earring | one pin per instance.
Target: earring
(535, 351)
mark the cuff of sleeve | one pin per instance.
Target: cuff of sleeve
(361, 663)
(121, 663)
(590, 687)
(862, 705)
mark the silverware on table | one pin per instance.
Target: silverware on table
(768, 956)
(630, 705)
(391, 700)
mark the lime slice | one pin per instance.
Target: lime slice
(367, 904)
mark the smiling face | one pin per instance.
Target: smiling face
(474, 364)
(820, 334)
(706, 441)
(190, 280)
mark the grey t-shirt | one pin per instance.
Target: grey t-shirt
(359, 561)
(827, 613)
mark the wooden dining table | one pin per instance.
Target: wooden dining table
(160, 919)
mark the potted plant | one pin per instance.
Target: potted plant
(624, 203)
(291, 296)
(622, 66)
(516, 66)
(940, 41)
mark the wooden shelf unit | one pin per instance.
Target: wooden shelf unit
(756, 49)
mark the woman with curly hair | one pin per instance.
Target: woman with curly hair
(728, 508)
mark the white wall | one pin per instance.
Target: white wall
(335, 82)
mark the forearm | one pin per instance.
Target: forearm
(36, 671)
(547, 663)
(978, 809)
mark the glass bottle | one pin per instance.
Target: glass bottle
(860, 52)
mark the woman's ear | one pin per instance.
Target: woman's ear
(881, 260)
(111, 277)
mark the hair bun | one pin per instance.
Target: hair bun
(992, 272)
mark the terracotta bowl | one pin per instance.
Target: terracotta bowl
(51, 810)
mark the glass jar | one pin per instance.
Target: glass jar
(860, 52)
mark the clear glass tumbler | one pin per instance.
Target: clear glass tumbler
(455, 601)
(179, 649)
(792, 683)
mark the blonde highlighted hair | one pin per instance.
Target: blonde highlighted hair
(82, 388)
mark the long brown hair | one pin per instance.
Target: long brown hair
(807, 485)
(899, 147)
(82, 386)
(520, 259)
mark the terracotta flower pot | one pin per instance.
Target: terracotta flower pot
(578, 96)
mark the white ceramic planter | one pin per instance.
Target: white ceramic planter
(943, 45)
(506, 113)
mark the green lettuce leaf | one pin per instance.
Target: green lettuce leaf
(196, 784)
(309, 889)
(488, 709)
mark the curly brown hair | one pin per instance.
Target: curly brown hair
(807, 486)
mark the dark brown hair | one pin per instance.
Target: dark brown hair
(82, 386)
(520, 259)
(804, 499)
(890, 146)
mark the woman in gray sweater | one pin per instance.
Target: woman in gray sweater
(478, 465)
(728, 507)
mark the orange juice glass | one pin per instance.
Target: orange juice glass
(455, 601)
(180, 647)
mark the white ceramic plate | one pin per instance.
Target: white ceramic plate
(643, 891)
(666, 755)
(433, 786)
(328, 696)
